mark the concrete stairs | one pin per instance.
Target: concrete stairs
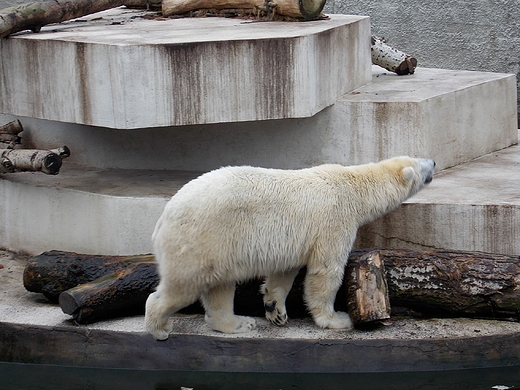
(140, 123)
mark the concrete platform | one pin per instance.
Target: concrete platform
(450, 116)
(128, 69)
(34, 331)
(474, 206)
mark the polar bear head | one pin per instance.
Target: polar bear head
(413, 173)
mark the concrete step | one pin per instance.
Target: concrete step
(124, 69)
(450, 116)
(474, 206)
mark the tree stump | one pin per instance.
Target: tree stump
(367, 290)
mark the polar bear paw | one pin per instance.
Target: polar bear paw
(159, 332)
(275, 314)
(231, 324)
(338, 320)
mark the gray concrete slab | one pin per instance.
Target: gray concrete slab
(129, 69)
(474, 206)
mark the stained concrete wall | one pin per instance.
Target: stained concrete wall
(456, 34)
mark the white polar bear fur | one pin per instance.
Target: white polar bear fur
(237, 223)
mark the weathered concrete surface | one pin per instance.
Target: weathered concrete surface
(85, 210)
(474, 206)
(34, 331)
(127, 72)
(450, 116)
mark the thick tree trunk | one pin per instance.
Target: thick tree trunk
(31, 160)
(392, 59)
(33, 16)
(453, 283)
(298, 9)
(434, 283)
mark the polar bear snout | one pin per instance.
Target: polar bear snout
(427, 168)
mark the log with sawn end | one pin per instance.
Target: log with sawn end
(434, 283)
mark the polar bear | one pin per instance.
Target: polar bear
(237, 223)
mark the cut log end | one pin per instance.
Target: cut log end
(311, 9)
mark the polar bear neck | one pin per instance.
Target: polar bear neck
(372, 191)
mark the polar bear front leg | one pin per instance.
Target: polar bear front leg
(218, 303)
(275, 290)
(321, 287)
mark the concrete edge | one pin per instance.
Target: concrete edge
(109, 349)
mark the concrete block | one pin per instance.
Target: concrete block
(450, 116)
(141, 73)
(472, 207)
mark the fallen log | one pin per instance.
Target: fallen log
(33, 160)
(123, 292)
(53, 272)
(391, 59)
(431, 283)
(296, 9)
(9, 133)
(33, 16)
(454, 283)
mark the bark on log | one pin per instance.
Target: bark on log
(32, 160)
(9, 133)
(453, 283)
(53, 272)
(367, 290)
(147, 4)
(34, 16)
(123, 292)
(434, 283)
(297, 9)
(391, 59)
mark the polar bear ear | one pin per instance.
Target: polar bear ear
(408, 173)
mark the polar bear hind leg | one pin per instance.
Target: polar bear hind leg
(218, 304)
(275, 290)
(160, 305)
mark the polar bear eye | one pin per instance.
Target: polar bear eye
(408, 173)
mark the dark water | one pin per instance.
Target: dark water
(42, 377)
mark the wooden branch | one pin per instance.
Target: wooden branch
(32, 160)
(33, 16)
(298, 9)
(391, 59)
(9, 133)
(434, 283)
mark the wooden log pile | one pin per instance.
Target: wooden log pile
(429, 283)
(13, 159)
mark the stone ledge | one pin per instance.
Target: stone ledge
(142, 73)
(474, 207)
